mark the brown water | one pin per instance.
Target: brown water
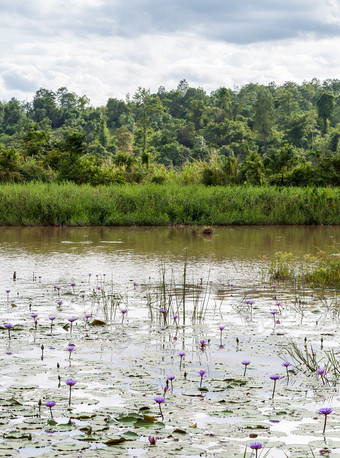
(122, 366)
(138, 253)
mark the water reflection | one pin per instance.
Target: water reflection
(240, 242)
(137, 254)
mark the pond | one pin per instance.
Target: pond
(147, 337)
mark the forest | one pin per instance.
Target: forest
(282, 135)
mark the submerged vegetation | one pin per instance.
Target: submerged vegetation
(154, 204)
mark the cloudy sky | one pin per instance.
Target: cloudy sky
(108, 48)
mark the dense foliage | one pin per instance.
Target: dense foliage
(69, 204)
(284, 135)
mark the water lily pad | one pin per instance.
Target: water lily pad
(115, 441)
(70, 446)
(97, 323)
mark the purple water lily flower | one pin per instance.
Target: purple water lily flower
(160, 400)
(201, 373)
(35, 316)
(181, 354)
(123, 312)
(50, 404)
(274, 378)
(71, 320)
(322, 373)
(70, 383)
(256, 446)
(70, 349)
(9, 326)
(203, 343)
(286, 364)
(325, 411)
(246, 364)
(171, 378)
(152, 440)
(52, 318)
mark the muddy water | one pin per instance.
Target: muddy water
(122, 366)
(137, 253)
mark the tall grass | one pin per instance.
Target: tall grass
(322, 270)
(155, 204)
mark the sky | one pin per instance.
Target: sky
(109, 48)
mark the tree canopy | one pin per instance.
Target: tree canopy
(256, 133)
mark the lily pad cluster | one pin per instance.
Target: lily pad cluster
(88, 369)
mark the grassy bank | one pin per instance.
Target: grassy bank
(69, 204)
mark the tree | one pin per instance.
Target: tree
(253, 169)
(13, 116)
(35, 141)
(124, 139)
(148, 108)
(114, 110)
(264, 116)
(325, 105)
(281, 160)
(45, 106)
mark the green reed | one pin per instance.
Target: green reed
(321, 270)
(162, 204)
(304, 357)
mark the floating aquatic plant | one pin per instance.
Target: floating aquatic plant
(325, 411)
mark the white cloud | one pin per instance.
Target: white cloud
(105, 48)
